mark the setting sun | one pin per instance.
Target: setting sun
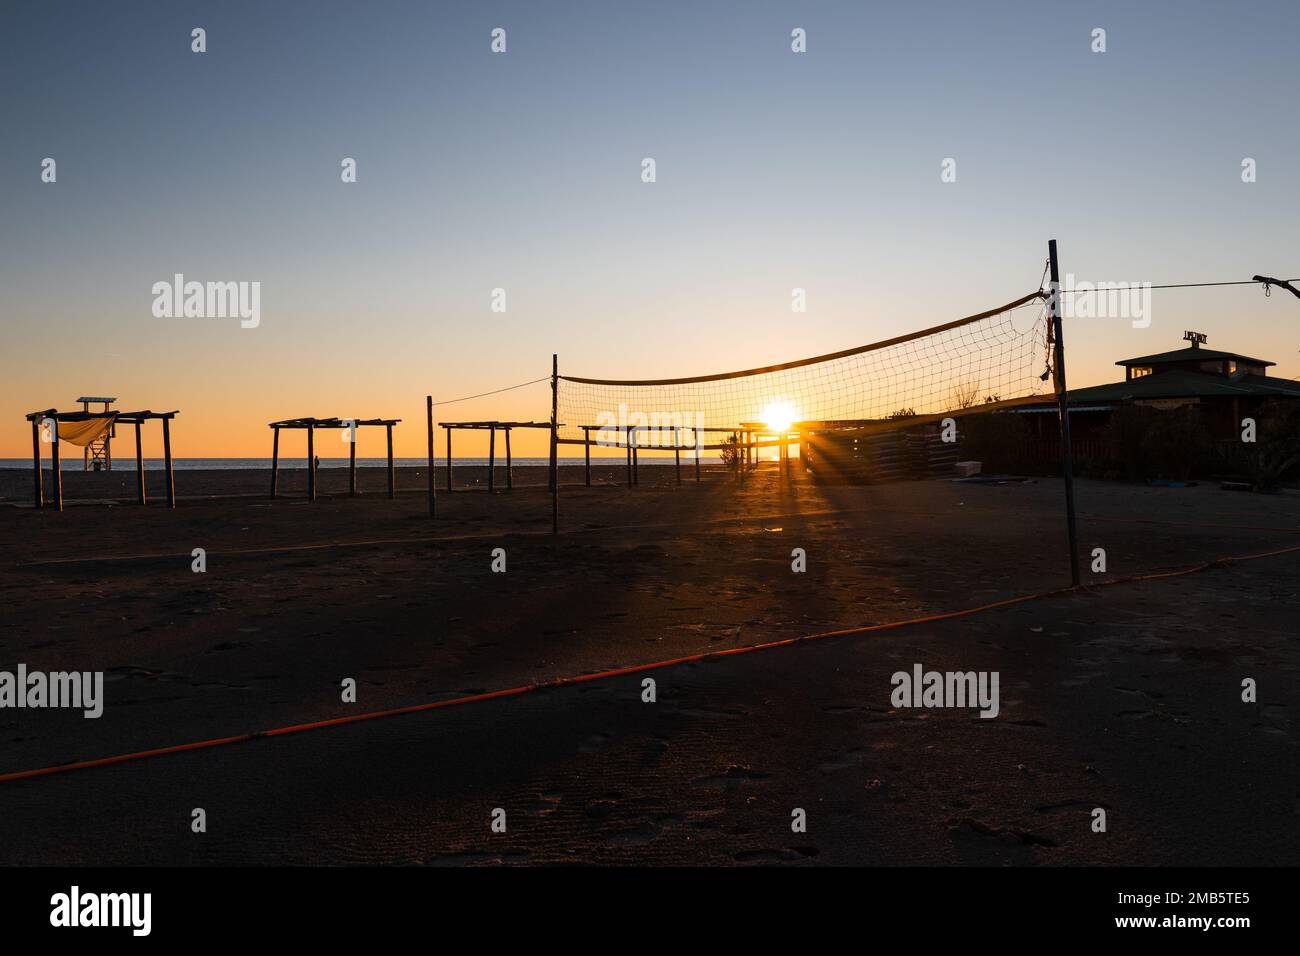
(779, 415)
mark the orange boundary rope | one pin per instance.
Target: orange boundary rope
(622, 671)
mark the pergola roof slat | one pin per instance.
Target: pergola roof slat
(330, 422)
(79, 416)
(495, 424)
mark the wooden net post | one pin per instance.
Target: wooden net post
(555, 444)
(1063, 411)
(433, 484)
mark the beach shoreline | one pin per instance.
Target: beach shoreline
(119, 485)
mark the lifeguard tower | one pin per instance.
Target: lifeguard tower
(98, 454)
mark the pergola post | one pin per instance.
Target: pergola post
(392, 474)
(352, 459)
(448, 427)
(510, 477)
(311, 463)
(139, 466)
(492, 459)
(58, 470)
(167, 462)
(275, 460)
(36, 464)
(586, 452)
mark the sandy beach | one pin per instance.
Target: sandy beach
(120, 485)
(1125, 698)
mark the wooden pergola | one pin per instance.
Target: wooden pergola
(311, 424)
(491, 428)
(38, 420)
(631, 443)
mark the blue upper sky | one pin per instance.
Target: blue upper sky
(522, 171)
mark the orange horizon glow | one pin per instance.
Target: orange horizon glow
(241, 383)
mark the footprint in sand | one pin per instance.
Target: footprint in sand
(1082, 805)
(544, 805)
(472, 858)
(842, 761)
(969, 826)
(594, 744)
(600, 808)
(776, 856)
(734, 777)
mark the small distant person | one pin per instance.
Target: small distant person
(316, 463)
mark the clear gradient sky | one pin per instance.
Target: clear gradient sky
(522, 171)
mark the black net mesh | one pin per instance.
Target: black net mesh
(992, 359)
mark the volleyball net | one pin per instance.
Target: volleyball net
(983, 362)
